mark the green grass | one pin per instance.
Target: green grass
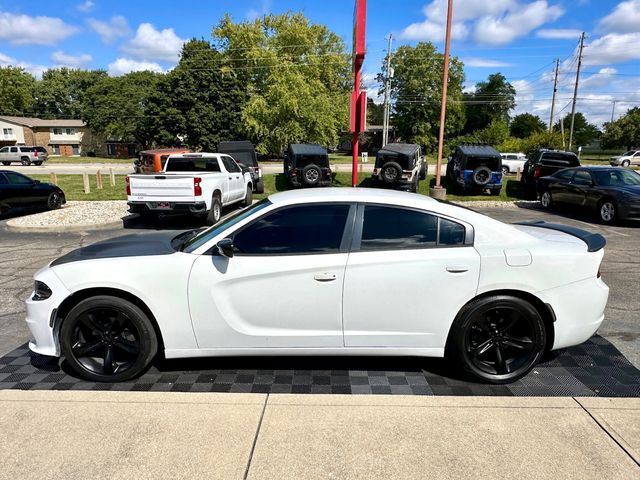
(71, 185)
(81, 160)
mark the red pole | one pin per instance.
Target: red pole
(445, 81)
(354, 165)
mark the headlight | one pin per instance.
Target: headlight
(41, 291)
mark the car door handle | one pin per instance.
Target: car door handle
(457, 268)
(324, 277)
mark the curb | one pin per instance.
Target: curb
(69, 228)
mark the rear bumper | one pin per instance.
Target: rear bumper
(174, 207)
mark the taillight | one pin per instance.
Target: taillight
(536, 172)
(293, 172)
(35, 154)
(128, 182)
(197, 189)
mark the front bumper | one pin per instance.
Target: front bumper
(174, 207)
(41, 315)
(629, 210)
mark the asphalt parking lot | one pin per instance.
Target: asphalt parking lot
(21, 255)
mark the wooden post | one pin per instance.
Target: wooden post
(518, 175)
(112, 177)
(85, 183)
(99, 180)
(54, 178)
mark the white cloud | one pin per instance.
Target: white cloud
(612, 48)
(559, 33)
(601, 79)
(110, 31)
(86, 6)
(494, 22)
(21, 29)
(484, 63)
(625, 18)
(7, 61)
(517, 22)
(74, 61)
(255, 13)
(151, 44)
(125, 65)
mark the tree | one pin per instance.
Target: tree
(492, 100)
(375, 112)
(495, 133)
(525, 124)
(16, 91)
(62, 91)
(416, 89)
(624, 132)
(583, 132)
(296, 75)
(118, 107)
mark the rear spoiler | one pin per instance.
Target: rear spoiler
(594, 241)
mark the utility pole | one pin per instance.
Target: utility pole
(387, 87)
(555, 89)
(575, 89)
(613, 109)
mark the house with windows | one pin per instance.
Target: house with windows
(60, 137)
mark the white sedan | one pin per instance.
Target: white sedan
(325, 272)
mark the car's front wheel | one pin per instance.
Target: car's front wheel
(6, 163)
(498, 339)
(607, 211)
(625, 163)
(108, 339)
(545, 199)
(54, 201)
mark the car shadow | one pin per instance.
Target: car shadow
(20, 212)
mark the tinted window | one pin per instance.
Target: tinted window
(560, 159)
(27, 149)
(564, 175)
(582, 177)
(301, 229)
(3, 179)
(230, 164)
(4, 149)
(192, 165)
(450, 233)
(14, 149)
(17, 179)
(615, 178)
(392, 228)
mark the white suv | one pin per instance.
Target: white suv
(511, 162)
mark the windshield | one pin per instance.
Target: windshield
(217, 229)
(615, 178)
(628, 154)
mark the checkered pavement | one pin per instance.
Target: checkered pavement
(595, 368)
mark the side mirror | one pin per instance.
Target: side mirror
(225, 247)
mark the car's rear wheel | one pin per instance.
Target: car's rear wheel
(215, 212)
(6, 163)
(25, 161)
(498, 339)
(54, 201)
(546, 200)
(505, 170)
(607, 211)
(423, 171)
(259, 186)
(108, 339)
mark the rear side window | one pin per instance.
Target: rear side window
(295, 230)
(386, 228)
(450, 232)
(26, 149)
(564, 175)
(582, 177)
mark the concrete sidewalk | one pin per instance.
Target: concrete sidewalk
(73, 435)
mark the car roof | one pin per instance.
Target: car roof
(307, 149)
(478, 149)
(236, 144)
(403, 148)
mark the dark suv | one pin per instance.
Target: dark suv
(544, 163)
(400, 164)
(475, 167)
(244, 154)
(307, 164)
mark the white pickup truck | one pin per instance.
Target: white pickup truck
(196, 183)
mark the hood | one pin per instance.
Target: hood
(137, 245)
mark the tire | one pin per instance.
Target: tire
(391, 172)
(311, 175)
(37, 163)
(25, 161)
(6, 163)
(481, 176)
(260, 186)
(54, 201)
(495, 191)
(546, 200)
(625, 163)
(607, 211)
(423, 171)
(117, 332)
(498, 339)
(414, 185)
(248, 197)
(505, 170)
(215, 212)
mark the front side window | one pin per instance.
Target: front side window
(4, 149)
(230, 164)
(582, 177)
(301, 229)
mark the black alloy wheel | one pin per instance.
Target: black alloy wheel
(107, 339)
(499, 339)
(54, 201)
(311, 175)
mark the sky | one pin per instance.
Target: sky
(519, 38)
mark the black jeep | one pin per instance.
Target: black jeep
(400, 164)
(307, 164)
(244, 154)
(475, 167)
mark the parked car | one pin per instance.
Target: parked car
(512, 162)
(487, 295)
(244, 153)
(20, 191)
(543, 163)
(400, 164)
(475, 167)
(611, 192)
(632, 157)
(307, 164)
(196, 183)
(152, 161)
(23, 154)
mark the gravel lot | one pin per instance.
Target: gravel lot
(75, 215)
(22, 254)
